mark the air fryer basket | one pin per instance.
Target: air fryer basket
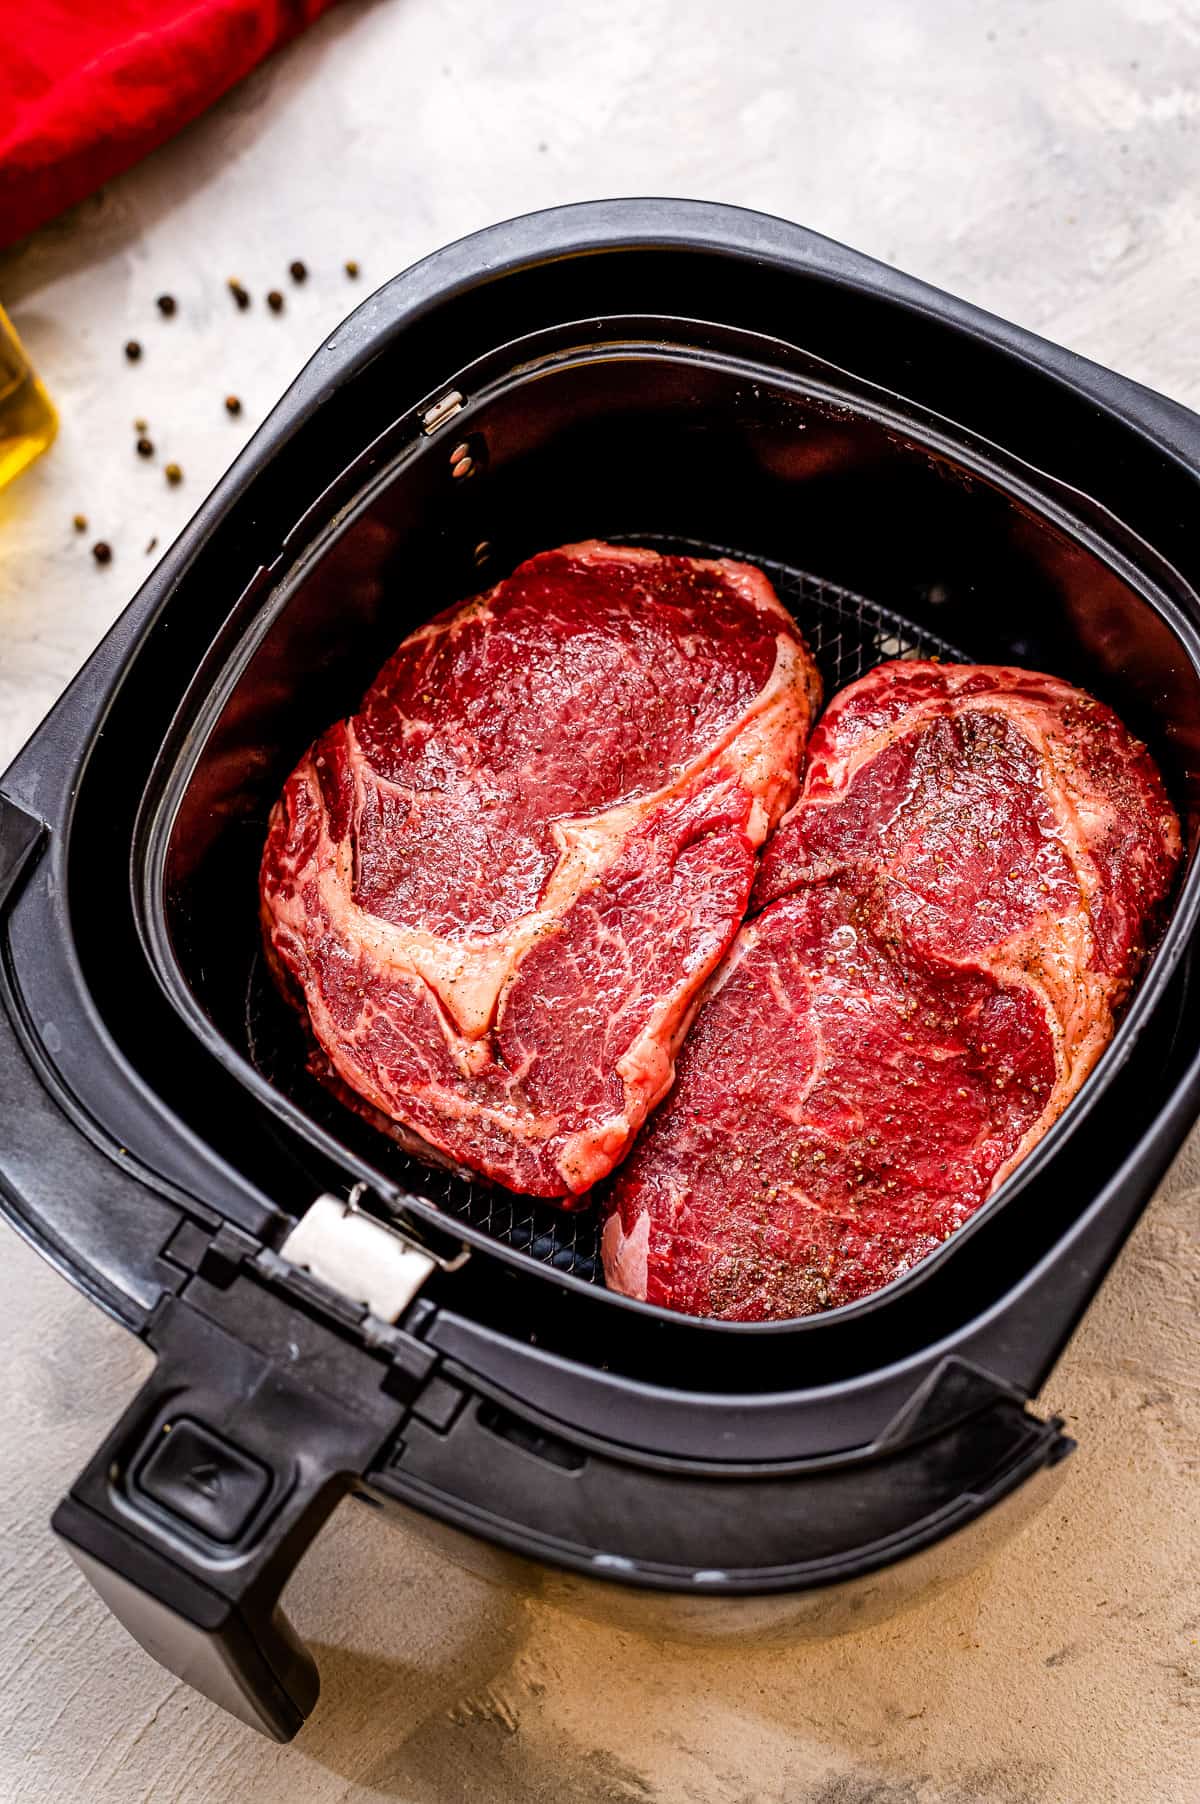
(693, 439)
(916, 475)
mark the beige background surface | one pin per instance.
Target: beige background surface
(1043, 159)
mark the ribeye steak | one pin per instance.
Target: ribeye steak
(950, 915)
(497, 890)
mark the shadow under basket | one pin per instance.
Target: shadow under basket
(917, 479)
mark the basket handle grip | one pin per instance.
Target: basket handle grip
(196, 1510)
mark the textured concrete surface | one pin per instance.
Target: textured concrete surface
(1039, 158)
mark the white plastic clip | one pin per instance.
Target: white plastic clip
(363, 1258)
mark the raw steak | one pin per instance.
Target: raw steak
(497, 890)
(951, 914)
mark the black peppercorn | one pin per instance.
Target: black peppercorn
(241, 295)
(166, 305)
(351, 268)
(232, 404)
(298, 271)
(173, 474)
(275, 301)
(102, 551)
(80, 523)
(133, 350)
(145, 448)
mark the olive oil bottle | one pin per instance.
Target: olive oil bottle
(28, 422)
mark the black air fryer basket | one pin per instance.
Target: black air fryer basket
(917, 478)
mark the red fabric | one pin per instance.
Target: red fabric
(89, 86)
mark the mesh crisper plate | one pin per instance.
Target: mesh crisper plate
(846, 634)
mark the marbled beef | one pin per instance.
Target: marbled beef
(947, 922)
(496, 891)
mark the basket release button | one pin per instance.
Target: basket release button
(204, 1480)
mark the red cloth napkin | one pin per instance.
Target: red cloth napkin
(89, 86)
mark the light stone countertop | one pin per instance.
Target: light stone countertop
(1041, 159)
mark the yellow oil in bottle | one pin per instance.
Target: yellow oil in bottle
(28, 422)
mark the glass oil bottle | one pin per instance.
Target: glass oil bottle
(28, 421)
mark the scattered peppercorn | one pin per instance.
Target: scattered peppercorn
(145, 448)
(275, 301)
(166, 305)
(232, 404)
(102, 551)
(173, 474)
(351, 268)
(80, 523)
(133, 350)
(140, 426)
(241, 295)
(298, 271)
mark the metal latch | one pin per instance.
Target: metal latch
(441, 411)
(367, 1260)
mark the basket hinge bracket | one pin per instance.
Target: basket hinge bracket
(371, 1262)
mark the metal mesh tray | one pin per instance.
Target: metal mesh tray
(847, 635)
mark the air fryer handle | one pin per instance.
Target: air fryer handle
(240, 1651)
(196, 1510)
